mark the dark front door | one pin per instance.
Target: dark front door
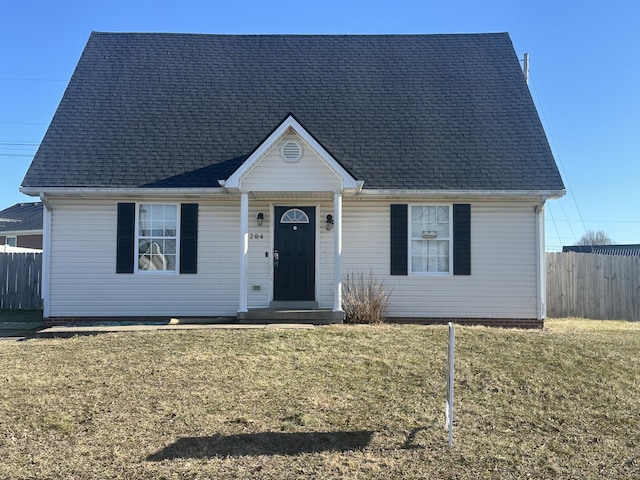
(294, 256)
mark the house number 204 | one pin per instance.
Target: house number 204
(255, 236)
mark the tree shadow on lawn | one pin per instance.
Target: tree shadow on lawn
(265, 443)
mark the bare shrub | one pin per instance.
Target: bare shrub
(365, 299)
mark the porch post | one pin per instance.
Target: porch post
(244, 249)
(337, 252)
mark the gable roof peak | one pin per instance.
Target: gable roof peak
(291, 124)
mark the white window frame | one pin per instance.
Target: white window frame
(8, 238)
(449, 239)
(138, 236)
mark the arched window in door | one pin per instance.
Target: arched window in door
(294, 215)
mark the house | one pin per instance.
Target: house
(226, 175)
(621, 250)
(21, 226)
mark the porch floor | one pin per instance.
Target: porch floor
(317, 316)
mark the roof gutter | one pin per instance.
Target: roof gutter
(448, 194)
(223, 191)
(44, 192)
(44, 200)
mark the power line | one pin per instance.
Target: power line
(32, 80)
(564, 171)
(22, 123)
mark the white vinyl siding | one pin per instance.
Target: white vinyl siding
(83, 256)
(274, 174)
(502, 283)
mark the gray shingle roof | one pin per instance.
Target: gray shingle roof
(398, 111)
(622, 250)
(21, 216)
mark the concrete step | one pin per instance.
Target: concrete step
(294, 304)
(276, 315)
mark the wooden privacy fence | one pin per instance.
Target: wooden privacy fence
(20, 280)
(585, 285)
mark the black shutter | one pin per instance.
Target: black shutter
(399, 239)
(189, 238)
(125, 237)
(462, 239)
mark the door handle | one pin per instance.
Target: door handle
(276, 258)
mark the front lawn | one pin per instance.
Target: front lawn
(350, 402)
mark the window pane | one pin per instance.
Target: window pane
(443, 214)
(417, 264)
(443, 248)
(145, 214)
(431, 248)
(416, 214)
(157, 212)
(170, 247)
(417, 248)
(432, 264)
(430, 215)
(145, 229)
(143, 246)
(171, 213)
(443, 264)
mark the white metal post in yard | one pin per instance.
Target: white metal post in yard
(450, 365)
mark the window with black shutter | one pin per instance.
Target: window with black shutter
(153, 237)
(431, 239)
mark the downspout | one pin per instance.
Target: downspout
(45, 290)
(541, 277)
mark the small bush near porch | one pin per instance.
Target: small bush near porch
(365, 299)
(352, 402)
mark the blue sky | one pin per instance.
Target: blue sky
(585, 77)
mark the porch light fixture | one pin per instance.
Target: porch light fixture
(329, 222)
(260, 218)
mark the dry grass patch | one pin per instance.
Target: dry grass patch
(334, 402)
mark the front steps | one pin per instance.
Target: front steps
(316, 316)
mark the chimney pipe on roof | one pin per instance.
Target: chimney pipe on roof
(525, 68)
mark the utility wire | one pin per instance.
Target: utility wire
(32, 80)
(559, 159)
(22, 123)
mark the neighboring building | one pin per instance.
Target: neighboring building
(223, 175)
(21, 225)
(624, 250)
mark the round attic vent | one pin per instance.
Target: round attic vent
(291, 151)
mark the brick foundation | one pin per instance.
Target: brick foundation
(529, 323)
(62, 321)
(486, 322)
